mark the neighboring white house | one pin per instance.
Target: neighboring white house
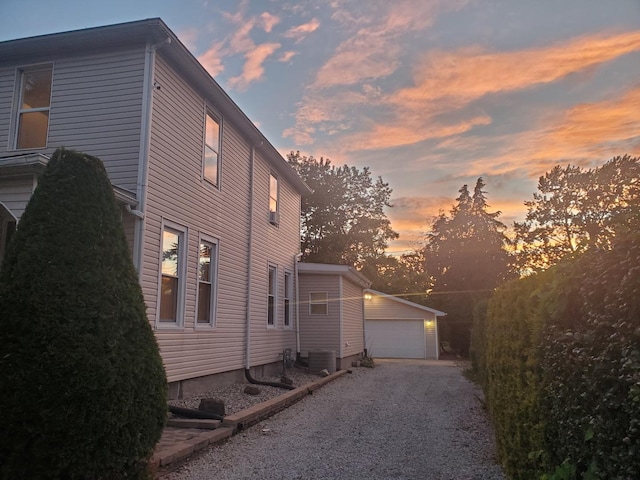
(210, 208)
(398, 328)
(332, 311)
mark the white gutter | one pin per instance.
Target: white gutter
(249, 263)
(143, 156)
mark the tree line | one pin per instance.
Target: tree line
(467, 251)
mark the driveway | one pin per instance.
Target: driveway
(404, 419)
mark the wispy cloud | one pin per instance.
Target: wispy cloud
(286, 56)
(240, 42)
(372, 51)
(253, 69)
(298, 33)
(449, 81)
(471, 73)
(269, 21)
(211, 60)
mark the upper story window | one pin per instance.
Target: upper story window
(173, 251)
(274, 214)
(33, 109)
(207, 276)
(211, 159)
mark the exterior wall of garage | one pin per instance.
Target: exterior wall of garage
(386, 317)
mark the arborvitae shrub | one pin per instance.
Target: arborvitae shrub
(82, 385)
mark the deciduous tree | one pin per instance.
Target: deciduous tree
(576, 209)
(343, 220)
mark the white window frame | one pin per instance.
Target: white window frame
(287, 301)
(182, 232)
(272, 296)
(208, 112)
(213, 275)
(324, 302)
(274, 214)
(18, 105)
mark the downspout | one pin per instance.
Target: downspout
(143, 157)
(296, 261)
(437, 339)
(341, 320)
(247, 354)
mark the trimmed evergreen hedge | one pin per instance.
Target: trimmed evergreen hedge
(560, 366)
(83, 385)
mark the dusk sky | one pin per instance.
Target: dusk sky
(430, 94)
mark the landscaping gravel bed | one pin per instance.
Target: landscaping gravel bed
(400, 420)
(236, 400)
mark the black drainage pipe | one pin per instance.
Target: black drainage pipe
(250, 379)
(187, 412)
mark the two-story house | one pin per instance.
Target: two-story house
(210, 208)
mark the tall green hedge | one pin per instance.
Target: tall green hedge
(83, 385)
(514, 325)
(559, 354)
(591, 364)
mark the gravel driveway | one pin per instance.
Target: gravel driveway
(404, 419)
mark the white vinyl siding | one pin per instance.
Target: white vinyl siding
(96, 108)
(176, 190)
(320, 332)
(275, 246)
(352, 319)
(15, 193)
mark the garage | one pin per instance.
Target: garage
(398, 328)
(395, 338)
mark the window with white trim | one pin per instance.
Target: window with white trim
(274, 193)
(32, 123)
(318, 303)
(271, 296)
(207, 277)
(288, 292)
(171, 295)
(211, 157)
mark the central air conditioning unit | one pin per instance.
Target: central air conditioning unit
(274, 217)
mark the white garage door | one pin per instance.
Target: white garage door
(395, 338)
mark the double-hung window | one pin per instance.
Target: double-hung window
(318, 303)
(288, 291)
(33, 109)
(173, 251)
(274, 214)
(207, 275)
(271, 296)
(211, 158)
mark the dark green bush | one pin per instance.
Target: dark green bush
(83, 385)
(561, 368)
(591, 361)
(515, 321)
